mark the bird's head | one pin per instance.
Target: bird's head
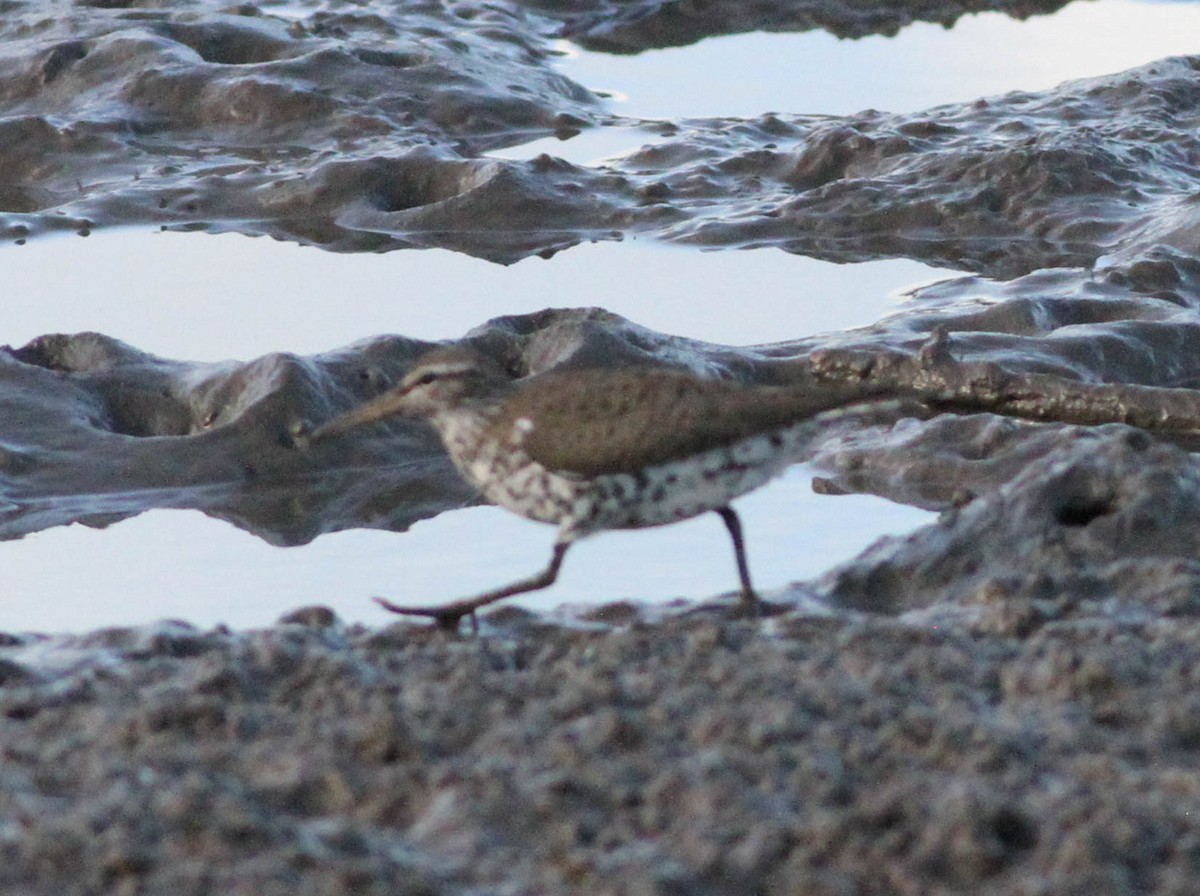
(442, 381)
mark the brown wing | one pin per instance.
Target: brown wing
(626, 420)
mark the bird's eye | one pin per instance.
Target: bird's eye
(427, 378)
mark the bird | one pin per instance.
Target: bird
(590, 449)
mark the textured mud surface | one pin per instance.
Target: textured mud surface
(364, 128)
(1043, 752)
(1002, 702)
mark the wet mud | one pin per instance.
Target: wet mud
(366, 130)
(1001, 702)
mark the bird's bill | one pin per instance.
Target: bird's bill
(386, 405)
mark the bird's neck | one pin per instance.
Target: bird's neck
(463, 428)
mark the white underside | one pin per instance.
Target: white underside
(661, 494)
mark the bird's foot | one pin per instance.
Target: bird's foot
(751, 606)
(447, 617)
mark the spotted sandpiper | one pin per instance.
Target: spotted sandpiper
(597, 449)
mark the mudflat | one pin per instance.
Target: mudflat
(1001, 702)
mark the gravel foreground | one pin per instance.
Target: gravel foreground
(1017, 752)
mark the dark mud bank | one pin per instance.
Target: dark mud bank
(365, 130)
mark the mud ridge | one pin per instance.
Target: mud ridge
(369, 131)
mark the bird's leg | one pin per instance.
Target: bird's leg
(734, 524)
(447, 616)
(750, 599)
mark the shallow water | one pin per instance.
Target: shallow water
(925, 65)
(208, 298)
(180, 564)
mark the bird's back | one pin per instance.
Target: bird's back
(622, 421)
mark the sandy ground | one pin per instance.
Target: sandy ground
(1045, 748)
